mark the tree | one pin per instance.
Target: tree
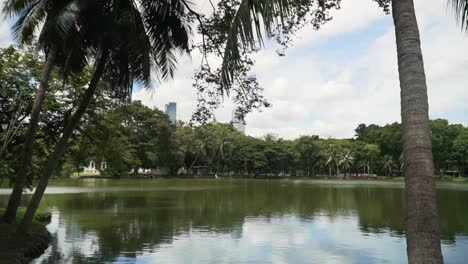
(56, 18)
(186, 145)
(443, 134)
(17, 82)
(387, 137)
(346, 158)
(423, 240)
(422, 220)
(460, 151)
(389, 165)
(309, 153)
(331, 159)
(111, 144)
(127, 49)
(149, 134)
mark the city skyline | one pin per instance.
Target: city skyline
(171, 111)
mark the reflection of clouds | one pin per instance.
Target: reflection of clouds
(289, 239)
(69, 242)
(278, 238)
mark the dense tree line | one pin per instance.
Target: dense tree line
(19, 76)
(133, 137)
(125, 41)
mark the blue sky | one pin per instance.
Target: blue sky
(345, 74)
(342, 75)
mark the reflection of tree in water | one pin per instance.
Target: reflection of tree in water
(127, 223)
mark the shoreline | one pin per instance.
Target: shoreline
(443, 179)
(24, 248)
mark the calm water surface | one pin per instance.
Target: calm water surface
(239, 221)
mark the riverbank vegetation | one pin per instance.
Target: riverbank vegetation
(220, 149)
(22, 248)
(130, 138)
(115, 51)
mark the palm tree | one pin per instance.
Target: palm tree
(422, 221)
(345, 160)
(331, 160)
(128, 40)
(56, 18)
(389, 165)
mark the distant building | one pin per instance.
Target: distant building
(95, 168)
(214, 121)
(171, 111)
(238, 123)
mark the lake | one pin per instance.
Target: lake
(240, 221)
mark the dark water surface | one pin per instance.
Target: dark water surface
(240, 221)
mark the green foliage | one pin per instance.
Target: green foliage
(460, 151)
(20, 70)
(234, 31)
(134, 136)
(127, 138)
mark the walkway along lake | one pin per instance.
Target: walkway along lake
(240, 221)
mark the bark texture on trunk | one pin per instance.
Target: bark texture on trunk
(422, 221)
(62, 144)
(26, 156)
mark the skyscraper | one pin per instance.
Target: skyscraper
(171, 111)
(238, 123)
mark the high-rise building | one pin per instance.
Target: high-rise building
(238, 123)
(171, 111)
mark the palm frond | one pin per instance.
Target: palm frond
(168, 31)
(145, 40)
(60, 20)
(253, 20)
(12, 8)
(460, 7)
(29, 19)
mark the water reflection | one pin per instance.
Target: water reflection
(237, 221)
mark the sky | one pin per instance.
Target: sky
(333, 79)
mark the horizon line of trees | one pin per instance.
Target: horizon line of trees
(130, 136)
(134, 137)
(128, 43)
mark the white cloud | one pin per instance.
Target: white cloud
(352, 16)
(5, 36)
(365, 90)
(335, 78)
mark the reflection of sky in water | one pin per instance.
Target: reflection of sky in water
(277, 239)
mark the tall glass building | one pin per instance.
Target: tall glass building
(237, 123)
(171, 111)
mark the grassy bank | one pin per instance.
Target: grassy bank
(438, 179)
(22, 248)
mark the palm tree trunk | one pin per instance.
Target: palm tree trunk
(62, 143)
(422, 225)
(26, 158)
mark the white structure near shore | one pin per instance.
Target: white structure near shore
(92, 168)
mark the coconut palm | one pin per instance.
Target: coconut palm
(128, 40)
(331, 160)
(55, 19)
(346, 159)
(422, 221)
(388, 165)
